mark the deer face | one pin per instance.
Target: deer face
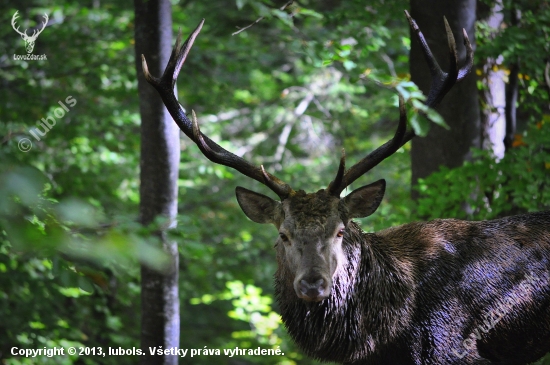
(29, 42)
(312, 230)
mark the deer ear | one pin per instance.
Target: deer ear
(258, 207)
(364, 201)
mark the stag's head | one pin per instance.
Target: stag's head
(29, 39)
(312, 227)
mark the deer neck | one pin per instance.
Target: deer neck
(362, 304)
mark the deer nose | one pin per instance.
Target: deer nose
(313, 289)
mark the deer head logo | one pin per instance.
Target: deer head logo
(29, 40)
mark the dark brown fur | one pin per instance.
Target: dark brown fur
(412, 295)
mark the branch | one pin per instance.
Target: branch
(261, 18)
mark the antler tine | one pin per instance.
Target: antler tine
(34, 33)
(277, 185)
(373, 158)
(469, 63)
(339, 179)
(199, 139)
(13, 21)
(435, 70)
(442, 82)
(210, 149)
(177, 58)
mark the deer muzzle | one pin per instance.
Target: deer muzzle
(312, 288)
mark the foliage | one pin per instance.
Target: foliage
(288, 92)
(486, 188)
(526, 43)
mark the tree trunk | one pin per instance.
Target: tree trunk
(160, 154)
(494, 93)
(460, 107)
(512, 91)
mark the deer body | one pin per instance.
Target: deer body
(413, 294)
(440, 292)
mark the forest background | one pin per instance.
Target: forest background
(289, 93)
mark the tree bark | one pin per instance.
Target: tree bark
(493, 113)
(159, 162)
(460, 107)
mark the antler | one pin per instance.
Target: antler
(24, 34)
(34, 34)
(442, 82)
(13, 19)
(210, 149)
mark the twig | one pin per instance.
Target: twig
(248, 26)
(389, 62)
(261, 18)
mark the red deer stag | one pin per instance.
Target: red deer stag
(439, 292)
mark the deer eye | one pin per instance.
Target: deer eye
(340, 233)
(283, 236)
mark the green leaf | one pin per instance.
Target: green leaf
(73, 292)
(435, 117)
(85, 284)
(311, 13)
(420, 125)
(404, 93)
(240, 3)
(349, 65)
(286, 19)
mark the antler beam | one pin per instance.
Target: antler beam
(210, 149)
(442, 82)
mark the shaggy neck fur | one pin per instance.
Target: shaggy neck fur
(371, 299)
